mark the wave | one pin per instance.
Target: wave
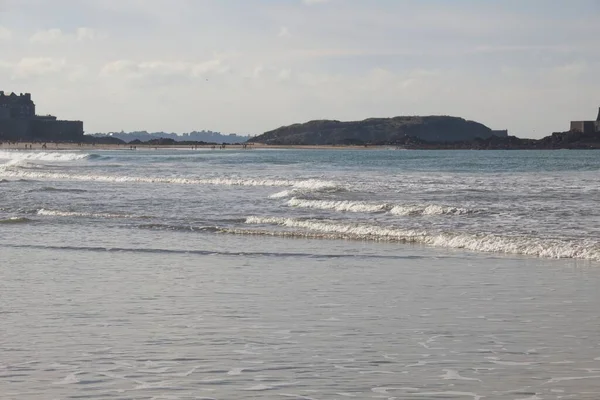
(303, 185)
(99, 157)
(209, 252)
(366, 207)
(166, 227)
(53, 189)
(15, 157)
(15, 220)
(338, 205)
(530, 246)
(57, 213)
(431, 209)
(282, 194)
(310, 186)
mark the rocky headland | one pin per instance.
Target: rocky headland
(416, 132)
(376, 131)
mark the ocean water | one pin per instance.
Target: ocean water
(308, 274)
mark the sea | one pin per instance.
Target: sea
(299, 274)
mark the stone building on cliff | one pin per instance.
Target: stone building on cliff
(18, 122)
(586, 126)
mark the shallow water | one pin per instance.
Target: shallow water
(136, 325)
(291, 274)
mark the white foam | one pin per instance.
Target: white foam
(69, 379)
(258, 388)
(57, 213)
(235, 371)
(366, 207)
(430, 209)
(15, 157)
(532, 246)
(306, 185)
(573, 378)
(386, 389)
(316, 185)
(342, 205)
(495, 360)
(282, 194)
(451, 374)
(475, 396)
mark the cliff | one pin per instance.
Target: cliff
(377, 131)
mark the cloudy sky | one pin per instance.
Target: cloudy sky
(247, 66)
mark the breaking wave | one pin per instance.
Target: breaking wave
(530, 246)
(167, 227)
(282, 194)
(302, 185)
(53, 189)
(14, 220)
(309, 186)
(57, 213)
(16, 157)
(431, 209)
(366, 207)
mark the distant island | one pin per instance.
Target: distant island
(379, 131)
(428, 132)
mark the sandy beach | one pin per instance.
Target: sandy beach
(128, 147)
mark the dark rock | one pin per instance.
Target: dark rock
(438, 129)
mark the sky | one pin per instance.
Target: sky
(249, 66)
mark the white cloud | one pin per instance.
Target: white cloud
(158, 69)
(5, 34)
(37, 66)
(83, 34)
(311, 2)
(47, 36)
(283, 31)
(284, 75)
(56, 36)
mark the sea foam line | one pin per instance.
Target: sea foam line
(17, 156)
(531, 246)
(309, 184)
(366, 207)
(58, 213)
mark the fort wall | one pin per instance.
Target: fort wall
(19, 122)
(57, 130)
(15, 129)
(584, 126)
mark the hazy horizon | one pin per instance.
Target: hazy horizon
(247, 67)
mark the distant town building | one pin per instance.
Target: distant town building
(18, 121)
(587, 126)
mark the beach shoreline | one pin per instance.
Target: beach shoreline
(31, 146)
